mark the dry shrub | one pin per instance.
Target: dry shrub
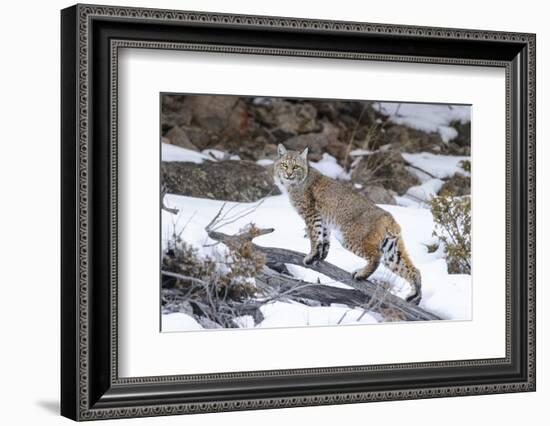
(231, 273)
(452, 216)
(183, 259)
(457, 185)
(243, 265)
(466, 165)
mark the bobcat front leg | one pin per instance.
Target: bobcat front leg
(318, 251)
(326, 241)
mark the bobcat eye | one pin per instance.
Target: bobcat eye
(284, 165)
(294, 168)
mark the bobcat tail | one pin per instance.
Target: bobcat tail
(396, 259)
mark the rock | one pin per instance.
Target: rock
(178, 136)
(174, 112)
(240, 181)
(464, 131)
(252, 149)
(315, 141)
(239, 120)
(384, 168)
(246, 148)
(408, 139)
(270, 151)
(453, 149)
(210, 112)
(378, 195)
(201, 138)
(338, 150)
(289, 117)
(457, 185)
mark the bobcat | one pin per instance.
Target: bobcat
(361, 227)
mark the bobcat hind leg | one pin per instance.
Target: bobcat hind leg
(371, 254)
(365, 272)
(396, 259)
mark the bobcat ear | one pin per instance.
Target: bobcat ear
(281, 150)
(304, 153)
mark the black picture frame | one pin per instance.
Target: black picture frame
(90, 386)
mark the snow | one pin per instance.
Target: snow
(219, 155)
(427, 117)
(328, 165)
(422, 176)
(451, 300)
(440, 166)
(447, 295)
(176, 153)
(179, 321)
(245, 321)
(265, 162)
(281, 314)
(419, 194)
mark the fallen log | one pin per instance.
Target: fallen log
(369, 290)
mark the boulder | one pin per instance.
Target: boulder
(291, 118)
(245, 147)
(270, 151)
(316, 142)
(454, 149)
(464, 131)
(378, 195)
(338, 150)
(210, 112)
(408, 139)
(177, 136)
(238, 121)
(174, 112)
(240, 181)
(201, 138)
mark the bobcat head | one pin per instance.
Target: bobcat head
(291, 167)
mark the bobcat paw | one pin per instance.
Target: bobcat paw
(310, 259)
(415, 298)
(324, 250)
(358, 275)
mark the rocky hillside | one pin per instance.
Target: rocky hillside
(389, 151)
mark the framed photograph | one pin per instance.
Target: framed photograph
(263, 212)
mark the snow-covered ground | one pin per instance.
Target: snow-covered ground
(440, 166)
(175, 153)
(430, 169)
(444, 294)
(328, 165)
(427, 117)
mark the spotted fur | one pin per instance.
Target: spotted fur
(327, 205)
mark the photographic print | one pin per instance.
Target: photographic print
(289, 212)
(215, 195)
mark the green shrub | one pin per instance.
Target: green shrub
(452, 216)
(466, 165)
